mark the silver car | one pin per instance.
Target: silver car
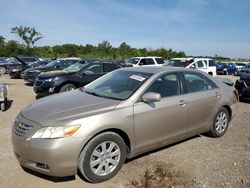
(120, 115)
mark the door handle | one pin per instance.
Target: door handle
(182, 103)
(217, 95)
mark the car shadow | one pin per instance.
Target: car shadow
(245, 100)
(8, 104)
(28, 84)
(49, 178)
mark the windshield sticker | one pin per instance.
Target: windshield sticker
(138, 78)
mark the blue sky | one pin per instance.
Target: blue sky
(197, 27)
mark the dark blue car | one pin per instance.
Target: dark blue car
(226, 68)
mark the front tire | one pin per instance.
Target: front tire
(102, 157)
(67, 87)
(220, 123)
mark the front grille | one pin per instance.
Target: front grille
(39, 83)
(21, 129)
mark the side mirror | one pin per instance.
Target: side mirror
(151, 97)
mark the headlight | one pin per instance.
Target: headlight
(49, 80)
(224, 69)
(56, 132)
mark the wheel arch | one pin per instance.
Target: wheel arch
(120, 132)
(64, 83)
(228, 108)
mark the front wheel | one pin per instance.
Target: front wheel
(220, 124)
(102, 157)
(67, 87)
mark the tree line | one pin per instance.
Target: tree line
(29, 36)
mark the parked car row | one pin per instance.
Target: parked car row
(232, 68)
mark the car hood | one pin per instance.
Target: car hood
(67, 106)
(50, 74)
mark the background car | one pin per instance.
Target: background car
(123, 114)
(226, 68)
(72, 77)
(144, 61)
(203, 64)
(243, 85)
(16, 71)
(14, 62)
(245, 69)
(239, 65)
(30, 74)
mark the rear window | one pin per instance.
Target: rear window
(159, 60)
(211, 63)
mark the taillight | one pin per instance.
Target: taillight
(236, 94)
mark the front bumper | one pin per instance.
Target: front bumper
(30, 77)
(53, 157)
(43, 87)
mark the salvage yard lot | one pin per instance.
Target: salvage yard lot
(197, 162)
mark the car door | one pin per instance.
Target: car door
(203, 100)
(158, 123)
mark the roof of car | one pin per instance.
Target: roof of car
(155, 69)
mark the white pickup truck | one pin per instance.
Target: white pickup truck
(204, 64)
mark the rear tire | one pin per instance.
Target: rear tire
(3, 106)
(102, 157)
(220, 123)
(3, 70)
(67, 87)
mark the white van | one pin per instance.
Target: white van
(145, 61)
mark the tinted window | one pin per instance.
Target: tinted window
(159, 60)
(167, 85)
(211, 63)
(95, 68)
(142, 62)
(195, 82)
(108, 67)
(150, 61)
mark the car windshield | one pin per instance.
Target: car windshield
(133, 60)
(76, 67)
(119, 84)
(53, 63)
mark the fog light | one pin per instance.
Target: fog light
(43, 166)
(51, 89)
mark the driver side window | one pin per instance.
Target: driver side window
(166, 85)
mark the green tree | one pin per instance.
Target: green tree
(28, 35)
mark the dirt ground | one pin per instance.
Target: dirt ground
(197, 162)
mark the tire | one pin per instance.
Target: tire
(220, 123)
(67, 87)
(3, 106)
(3, 70)
(93, 151)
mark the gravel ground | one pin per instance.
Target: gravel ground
(197, 162)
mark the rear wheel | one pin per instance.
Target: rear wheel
(102, 157)
(3, 106)
(3, 70)
(220, 124)
(67, 87)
